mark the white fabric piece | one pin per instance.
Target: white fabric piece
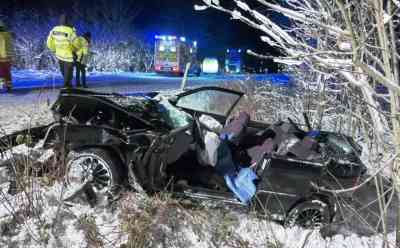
(210, 123)
(209, 155)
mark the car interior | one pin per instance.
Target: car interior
(253, 143)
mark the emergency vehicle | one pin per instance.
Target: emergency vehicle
(172, 53)
(233, 61)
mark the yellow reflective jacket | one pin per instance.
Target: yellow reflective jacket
(6, 46)
(60, 41)
(82, 50)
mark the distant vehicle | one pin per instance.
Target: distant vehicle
(233, 61)
(171, 54)
(238, 61)
(210, 66)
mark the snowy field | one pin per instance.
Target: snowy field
(37, 218)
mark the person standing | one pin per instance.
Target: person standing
(6, 55)
(60, 42)
(82, 46)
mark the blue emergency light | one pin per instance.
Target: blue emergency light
(165, 37)
(161, 37)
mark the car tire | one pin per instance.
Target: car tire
(310, 214)
(93, 173)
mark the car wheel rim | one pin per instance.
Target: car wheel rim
(310, 218)
(90, 170)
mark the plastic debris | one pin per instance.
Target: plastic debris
(242, 185)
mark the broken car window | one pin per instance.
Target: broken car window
(173, 116)
(209, 101)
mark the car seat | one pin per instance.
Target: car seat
(305, 149)
(236, 128)
(258, 152)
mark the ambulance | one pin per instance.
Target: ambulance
(172, 53)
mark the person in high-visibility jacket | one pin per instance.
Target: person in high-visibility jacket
(82, 46)
(6, 56)
(60, 42)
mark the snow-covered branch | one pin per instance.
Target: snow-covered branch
(347, 43)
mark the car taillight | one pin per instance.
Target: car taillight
(158, 68)
(356, 180)
(175, 68)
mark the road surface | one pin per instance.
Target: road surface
(31, 85)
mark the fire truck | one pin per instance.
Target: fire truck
(172, 53)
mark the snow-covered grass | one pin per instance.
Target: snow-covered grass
(17, 116)
(35, 217)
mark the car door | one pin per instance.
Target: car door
(285, 181)
(214, 101)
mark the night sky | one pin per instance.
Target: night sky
(214, 30)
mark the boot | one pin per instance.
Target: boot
(8, 87)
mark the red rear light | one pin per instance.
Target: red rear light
(356, 180)
(158, 68)
(175, 68)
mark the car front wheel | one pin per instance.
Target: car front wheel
(92, 173)
(311, 214)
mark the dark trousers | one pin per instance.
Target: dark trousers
(80, 74)
(67, 69)
(5, 74)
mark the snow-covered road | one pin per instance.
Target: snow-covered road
(31, 79)
(31, 85)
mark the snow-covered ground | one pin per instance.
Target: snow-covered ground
(36, 218)
(25, 112)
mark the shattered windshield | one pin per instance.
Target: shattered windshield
(340, 143)
(209, 101)
(160, 113)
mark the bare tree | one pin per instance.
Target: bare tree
(30, 31)
(115, 44)
(354, 42)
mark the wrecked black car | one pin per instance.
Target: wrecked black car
(192, 145)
